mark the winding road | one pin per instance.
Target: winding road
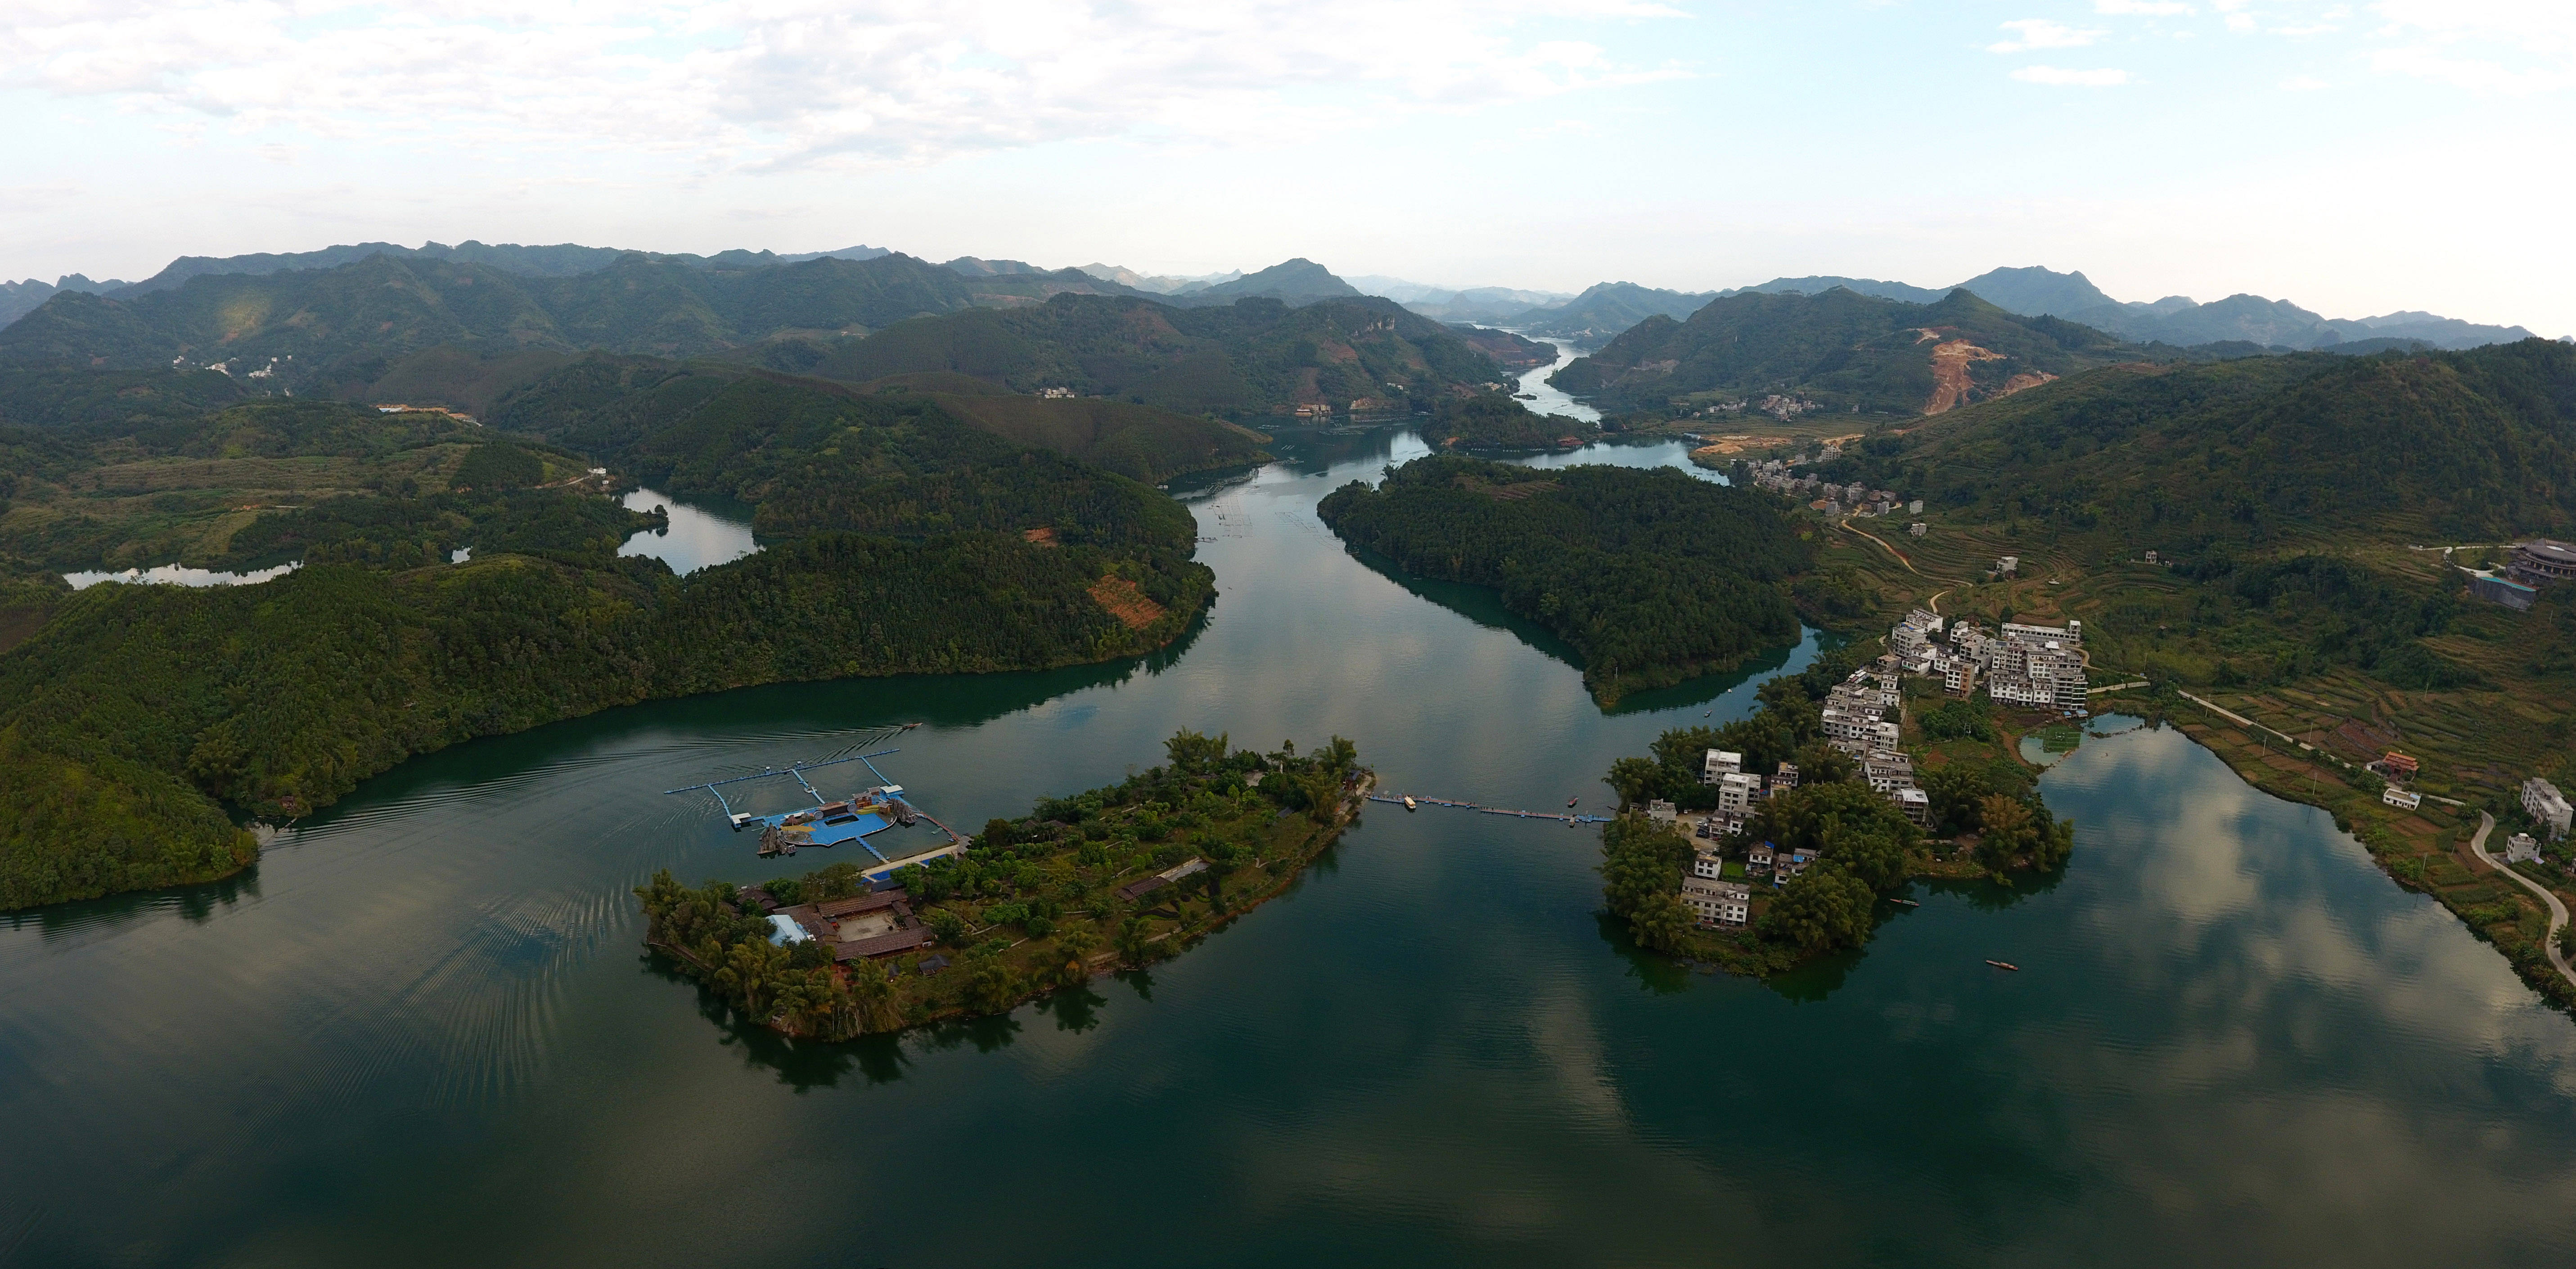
(2557, 910)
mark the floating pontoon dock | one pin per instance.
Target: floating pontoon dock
(828, 823)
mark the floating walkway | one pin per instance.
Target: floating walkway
(1559, 816)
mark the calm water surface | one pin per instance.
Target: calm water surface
(701, 536)
(422, 1031)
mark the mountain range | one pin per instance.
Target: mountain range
(1838, 351)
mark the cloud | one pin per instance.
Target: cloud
(2498, 47)
(751, 82)
(2304, 84)
(2104, 78)
(2034, 33)
(2143, 8)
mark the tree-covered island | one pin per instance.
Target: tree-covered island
(1766, 842)
(1120, 876)
(1654, 576)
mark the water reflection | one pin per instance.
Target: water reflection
(177, 575)
(700, 535)
(2231, 1042)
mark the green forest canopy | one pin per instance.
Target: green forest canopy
(1653, 575)
(135, 713)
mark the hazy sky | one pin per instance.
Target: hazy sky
(2356, 157)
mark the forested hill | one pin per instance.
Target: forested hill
(2451, 446)
(1607, 308)
(333, 329)
(898, 536)
(1249, 358)
(755, 435)
(1842, 351)
(1653, 575)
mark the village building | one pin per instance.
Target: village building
(1757, 858)
(2522, 848)
(1717, 902)
(1718, 764)
(2405, 799)
(2548, 806)
(1915, 803)
(1737, 791)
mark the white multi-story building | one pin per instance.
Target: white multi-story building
(2405, 799)
(1737, 791)
(2548, 806)
(1887, 771)
(1717, 902)
(1719, 764)
(1916, 804)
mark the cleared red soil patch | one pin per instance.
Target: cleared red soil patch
(1125, 602)
(1043, 536)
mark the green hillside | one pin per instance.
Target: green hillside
(1253, 357)
(2465, 446)
(899, 536)
(1653, 575)
(340, 329)
(1841, 351)
(709, 428)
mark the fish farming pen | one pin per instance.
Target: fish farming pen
(1568, 820)
(828, 822)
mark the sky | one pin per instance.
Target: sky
(2355, 157)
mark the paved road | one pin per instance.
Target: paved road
(2557, 910)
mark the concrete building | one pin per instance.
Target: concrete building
(2008, 565)
(1887, 771)
(1718, 764)
(1737, 791)
(1706, 862)
(2541, 561)
(1916, 804)
(1757, 858)
(2548, 806)
(1723, 903)
(1662, 812)
(2522, 848)
(2403, 799)
(1915, 529)
(1914, 508)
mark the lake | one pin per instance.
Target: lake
(422, 1031)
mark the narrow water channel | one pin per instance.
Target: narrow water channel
(423, 1031)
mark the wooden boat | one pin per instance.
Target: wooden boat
(1907, 902)
(2004, 965)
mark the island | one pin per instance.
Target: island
(1494, 420)
(1653, 576)
(1119, 876)
(1761, 844)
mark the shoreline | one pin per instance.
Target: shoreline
(1099, 964)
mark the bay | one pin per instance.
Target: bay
(422, 1031)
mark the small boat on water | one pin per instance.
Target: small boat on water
(1571, 801)
(2005, 965)
(1409, 803)
(1907, 902)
